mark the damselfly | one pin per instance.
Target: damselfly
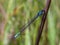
(28, 24)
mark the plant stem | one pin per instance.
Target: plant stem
(42, 22)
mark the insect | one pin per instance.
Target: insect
(28, 24)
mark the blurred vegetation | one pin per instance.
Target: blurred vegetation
(15, 13)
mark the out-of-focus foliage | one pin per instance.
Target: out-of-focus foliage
(20, 12)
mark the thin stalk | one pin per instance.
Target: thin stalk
(8, 26)
(43, 22)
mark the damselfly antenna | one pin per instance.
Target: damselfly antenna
(28, 24)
